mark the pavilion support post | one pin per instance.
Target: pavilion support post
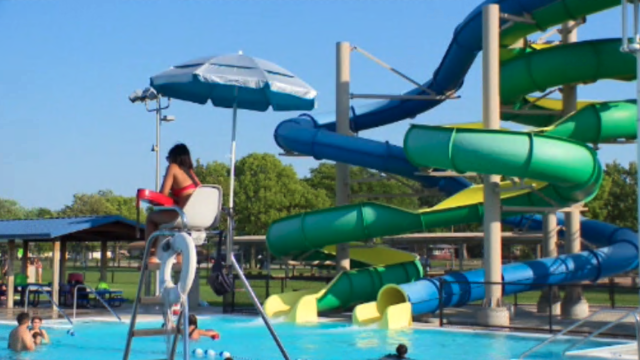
(55, 283)
(25, 258)
(253, 257)
(63, 260)
(103, 260)
(10, 277)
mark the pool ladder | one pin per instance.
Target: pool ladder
(624, 315)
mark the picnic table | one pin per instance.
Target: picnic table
(113, 298)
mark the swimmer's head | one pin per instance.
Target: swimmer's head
(402, 350)
(37, 338)
(36, 321)
(193, 320)
(23, 318)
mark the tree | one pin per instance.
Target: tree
(11, 210)
(324, 177)
(104, 202)
(617, 200)
(267, 190)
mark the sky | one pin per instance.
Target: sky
(67, 68)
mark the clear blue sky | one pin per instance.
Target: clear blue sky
(67, 126)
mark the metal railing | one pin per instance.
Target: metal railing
(91, 290)
(625, 314)
(44, 291)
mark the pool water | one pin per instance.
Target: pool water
(246, 338)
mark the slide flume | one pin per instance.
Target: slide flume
(594, 123)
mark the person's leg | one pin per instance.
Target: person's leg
(154, 220)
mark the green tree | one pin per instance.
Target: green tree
(104, 202)
(11, 210)
(366, 185)
(618, 204)
(267, 190)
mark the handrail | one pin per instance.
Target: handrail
(75, 300)
(608, 326)
(26, 301)
(563, 332)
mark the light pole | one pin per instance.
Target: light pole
(149, 95)
(633, 47)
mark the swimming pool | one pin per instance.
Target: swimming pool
(247, 338)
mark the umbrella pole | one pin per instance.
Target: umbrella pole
(232, 180)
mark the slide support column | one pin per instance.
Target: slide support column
(549, 249)
(574, 305)
(492, 313)
(343, 112)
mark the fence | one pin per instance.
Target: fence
(530, 310)
(267, 285)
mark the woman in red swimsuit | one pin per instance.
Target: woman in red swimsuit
(180, 181)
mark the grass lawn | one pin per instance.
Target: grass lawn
(126, 279)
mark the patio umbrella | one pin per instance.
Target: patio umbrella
(238, 82)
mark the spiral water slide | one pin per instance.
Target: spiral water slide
(553, 163)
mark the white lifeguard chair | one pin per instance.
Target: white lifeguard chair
(200, 214)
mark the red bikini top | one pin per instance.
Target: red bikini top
(180, 191)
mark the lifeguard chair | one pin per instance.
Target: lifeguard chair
(200, 215)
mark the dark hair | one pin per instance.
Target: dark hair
(402, 350)
(180, 155)
(36, 318)
(22, 318)
(193, 320)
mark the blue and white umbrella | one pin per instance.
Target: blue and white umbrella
(235, 81)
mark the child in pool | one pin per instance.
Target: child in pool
(37, 338)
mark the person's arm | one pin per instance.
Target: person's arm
(27, 341)
(168, 180)
(45, 336)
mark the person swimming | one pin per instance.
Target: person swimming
(195, 333)
(36, 323)
(20, 338)
(401, 353)
(37, 338)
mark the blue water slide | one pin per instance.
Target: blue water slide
(309, 135)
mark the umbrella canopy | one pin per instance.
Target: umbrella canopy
(236, 80)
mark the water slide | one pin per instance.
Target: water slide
(554, 159)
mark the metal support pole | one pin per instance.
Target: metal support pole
(158, 117)
(343, 111)
(493, 313)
